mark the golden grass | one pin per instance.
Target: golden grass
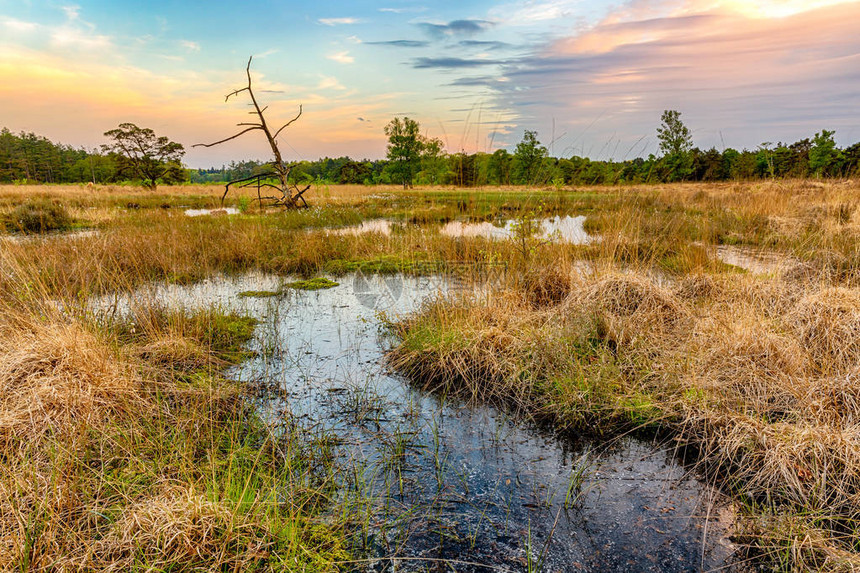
(86, 196)
(758, 374)
(180, 530)
(760, 378)
(122, 448)
(57, 379)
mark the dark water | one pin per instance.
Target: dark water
(456, 487)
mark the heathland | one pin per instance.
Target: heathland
(724, 317)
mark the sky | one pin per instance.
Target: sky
(591, 77)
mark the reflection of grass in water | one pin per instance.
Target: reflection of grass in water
(583, 470)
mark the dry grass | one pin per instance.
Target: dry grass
(105, 433)
(57, 379)
(122, 448)
(759, 377)
(181, 530)
(828, 323)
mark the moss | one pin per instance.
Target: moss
(317, 283)
(260, 293)
(382, 265)
(227, 334)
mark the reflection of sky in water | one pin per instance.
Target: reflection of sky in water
(54, 235)
(221, 211)
(756, 261)
(568, 229)
(372, 226)
(472, 485)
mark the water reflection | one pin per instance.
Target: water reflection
(756, 261)
(568, 229)
(451, 482)
(382, 226)
(213, 212)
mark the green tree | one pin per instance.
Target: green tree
(729, 164)
(140, 153)
(529, 156)
(465, 169)
(434, 164)
(823, 152)
(404, 149)
(851, 167)
(764, 160)
(499, 167)
(676, 141)
(354, 172)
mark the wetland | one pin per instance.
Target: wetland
(642, 379)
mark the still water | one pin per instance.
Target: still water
(455, 486)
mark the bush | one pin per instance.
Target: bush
(37, 216)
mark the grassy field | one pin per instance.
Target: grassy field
(122, 445)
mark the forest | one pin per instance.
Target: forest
(31, 158)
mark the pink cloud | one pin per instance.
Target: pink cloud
(733, 73)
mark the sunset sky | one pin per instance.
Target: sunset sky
(595, 75)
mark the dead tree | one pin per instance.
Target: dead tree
(291, 196)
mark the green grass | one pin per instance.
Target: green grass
(599, 366)
(260, 293)
(184, 477)
(37, 216)
(382, 264)
(317, 283)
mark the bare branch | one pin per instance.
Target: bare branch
(224, 140)
(237, 92)
(289, 123)
(291, 195)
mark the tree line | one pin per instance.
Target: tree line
(415, 159)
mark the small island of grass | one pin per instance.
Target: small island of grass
(317, 283)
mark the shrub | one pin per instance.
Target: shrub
(37, 216)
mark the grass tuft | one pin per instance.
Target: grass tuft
(317, 283)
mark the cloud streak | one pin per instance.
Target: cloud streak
(455, 28)
(338, 21)
(485, 44)
(401, 43)
(745, 77)
(452, 63)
